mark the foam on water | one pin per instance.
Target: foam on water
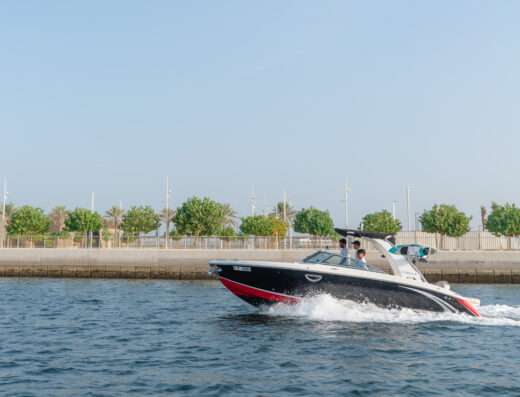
(327, 308)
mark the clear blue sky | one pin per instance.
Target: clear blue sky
(287, 95)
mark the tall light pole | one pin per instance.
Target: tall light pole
(253, 201)
(92, 201)
(118, 226)
(408, 208)
(4, 202)
(167, 212)
(346, 200)
(284, 215)
(284, 210)
(286, 219)
(416, 217)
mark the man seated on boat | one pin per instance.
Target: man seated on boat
(356, 244)
(361, 261)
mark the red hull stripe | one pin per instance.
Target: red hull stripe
(243, 290)
(468, 306)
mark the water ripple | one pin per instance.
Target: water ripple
(123, 338)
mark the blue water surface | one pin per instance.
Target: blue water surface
(169, 338)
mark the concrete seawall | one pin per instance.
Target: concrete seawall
(452, 266)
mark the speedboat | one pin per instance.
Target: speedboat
(263, 283)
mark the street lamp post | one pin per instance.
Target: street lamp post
(167, 214)
(394, 205)
(415, 225)
(408, 207)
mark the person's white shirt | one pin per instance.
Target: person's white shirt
(344, 252)
(362, 263)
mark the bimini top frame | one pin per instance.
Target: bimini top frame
(400, 264)
(369, 235)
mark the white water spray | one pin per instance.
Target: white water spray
(327, 308)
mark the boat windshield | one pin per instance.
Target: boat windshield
(329, 258)
(323, 257)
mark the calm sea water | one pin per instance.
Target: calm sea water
(123, 338)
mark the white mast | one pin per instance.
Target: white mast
(167, 212)
(253, 201)
(284, 210)
(286, 220)
(346, 200)
(92, 201)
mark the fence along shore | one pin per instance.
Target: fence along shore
(476, 240)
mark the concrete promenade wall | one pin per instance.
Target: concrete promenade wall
(192, 264)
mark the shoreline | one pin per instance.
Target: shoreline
(487, 267)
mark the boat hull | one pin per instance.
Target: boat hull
(261, 285)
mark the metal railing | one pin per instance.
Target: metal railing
(186, 242)
(471, 241)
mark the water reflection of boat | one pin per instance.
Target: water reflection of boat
(261, 283)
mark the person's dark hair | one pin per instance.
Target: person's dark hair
(357, 242)
(343, 241)
(361, 251)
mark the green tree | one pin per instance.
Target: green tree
(203, 217)
(57, 218)
(314, 221)
(141, 219)
(227, 231)
(28, 220)
(280, 227)
(84, 221)
(257, 225)
(446, 220)
(262, 225)
(382, 222)
(504, 220)
(105, 233)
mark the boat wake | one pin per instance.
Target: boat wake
(328, 308)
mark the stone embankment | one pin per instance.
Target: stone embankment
(190, 264)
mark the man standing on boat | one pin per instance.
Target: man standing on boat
(356, 245)
(343, 250)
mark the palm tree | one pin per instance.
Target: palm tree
(278, 211)
(115, 215)
(167, 216)
(483, 217)
(229, 215)
(9, 210)
(57, 216)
